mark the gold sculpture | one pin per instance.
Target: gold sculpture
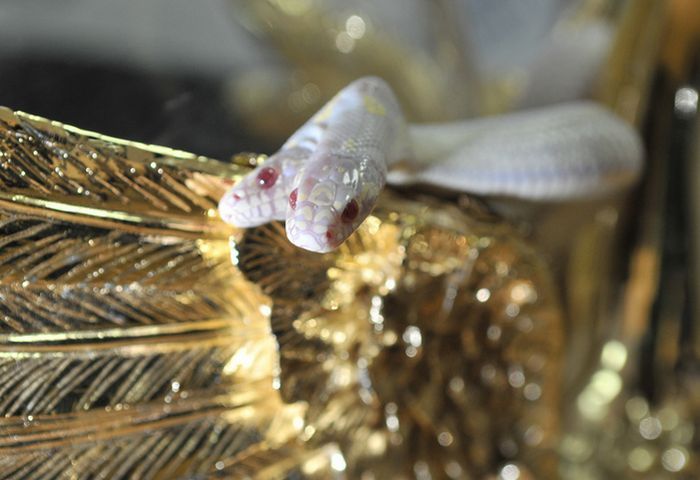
(133, 347)
(123, 321)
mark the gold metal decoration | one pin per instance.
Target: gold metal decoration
(130, 346)
(429, 345)
(133, 347)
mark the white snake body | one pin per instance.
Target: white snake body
(571, 150)
(326, 178)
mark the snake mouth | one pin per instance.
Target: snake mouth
(228, 210)
(317, 244)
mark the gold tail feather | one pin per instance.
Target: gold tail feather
(130, 347)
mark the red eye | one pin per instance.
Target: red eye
(293, 199)
(267, 177)
(350, 212)
(329, 235)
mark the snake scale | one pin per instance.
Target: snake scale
(326, 178)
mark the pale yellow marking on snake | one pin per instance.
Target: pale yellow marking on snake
(373, 106)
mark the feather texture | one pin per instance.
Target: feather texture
(130, 347)
(189, 439)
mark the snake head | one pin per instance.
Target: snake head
(332, 199)
(261, 195)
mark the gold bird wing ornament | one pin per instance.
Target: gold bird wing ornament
(130, 346)
(141, 337)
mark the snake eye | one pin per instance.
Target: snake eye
(293, 199)
(350, 212)
(267, 177)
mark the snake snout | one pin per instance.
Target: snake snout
(314, 228)
(229, 206)
(246, 205)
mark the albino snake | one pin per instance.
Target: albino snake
(326, 178)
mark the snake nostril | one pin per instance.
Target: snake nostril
(350, 212)
(293, 199)
(267, 177)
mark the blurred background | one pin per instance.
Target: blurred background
(206, 76)
(218, 77)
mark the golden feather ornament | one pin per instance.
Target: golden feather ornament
(141, 337)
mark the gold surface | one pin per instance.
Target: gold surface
(430, 343)
(124, 325)
(132, 347)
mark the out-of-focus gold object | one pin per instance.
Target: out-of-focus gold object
(132, 347)
(330, 44)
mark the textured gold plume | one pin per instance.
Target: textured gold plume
(132, 346)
